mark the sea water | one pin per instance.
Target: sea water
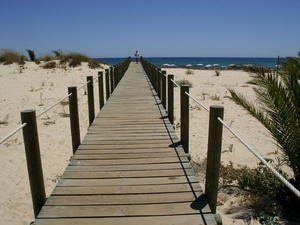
(201, 61)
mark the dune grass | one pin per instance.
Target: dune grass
(8, 57)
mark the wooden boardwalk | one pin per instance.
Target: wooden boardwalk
(129, 168)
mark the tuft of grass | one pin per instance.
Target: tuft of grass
(93, 64)
(189, 72)
(186, 82)
(217, 72)
(260, 181)
(73, 59)
(47, 58)
(31, 55)
(49, 65)
(215, 98)
(8, 57)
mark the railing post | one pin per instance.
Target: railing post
(171, 98)
(90, 92)
(184, 117)
(107, 83)
(163, 89)
(159, 83)
(213, 155)
(115, 77)
(100, 89)
(111, 73)
(74, 118)
(33, 159)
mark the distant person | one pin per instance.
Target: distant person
(137, 56)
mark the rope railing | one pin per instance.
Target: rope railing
(17, 129)
(52, 106)
(12, 133)
(157, 77)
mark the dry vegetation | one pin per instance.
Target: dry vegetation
(72, 59)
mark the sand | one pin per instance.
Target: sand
(36, 88)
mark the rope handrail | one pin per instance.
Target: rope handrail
(52, 106)
(12, 133)
(82, 86)
(174, 82)
(195, 100)
(17, 129)
(257, 155)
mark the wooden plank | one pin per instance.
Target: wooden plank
(161, 166)
(126, 156)
(128, 199)
(127, 161)
(120, 210)
(125, 174)
(133, 189)
(162, 220)
(126, 181)
(120, 146)
(127, 151)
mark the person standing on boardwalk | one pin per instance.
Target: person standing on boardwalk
(137, 56)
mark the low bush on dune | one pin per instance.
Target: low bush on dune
(50, 65)
(184, 82)
(47, 58)
(8, 57)
(93, 64)
(73, 59)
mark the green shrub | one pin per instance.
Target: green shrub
(260, 181)
(181, 82)
(50, 65)
(31, 55)
(8, 57)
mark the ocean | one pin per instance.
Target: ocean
(201, 61)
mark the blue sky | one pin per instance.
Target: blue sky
(116, 28)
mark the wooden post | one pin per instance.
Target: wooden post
(74, 118)
(90, 92)
(100, 89)
(107, 83)
(164, 91)
(213, 155)
(33, 159)
(159, 84)
(184, 117)
(157, 80)
(111, 73)
(115, 77)
(171, 99)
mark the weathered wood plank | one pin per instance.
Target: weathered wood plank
(133, 189)
(120, 210)
(125, 174)
(126, 181)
